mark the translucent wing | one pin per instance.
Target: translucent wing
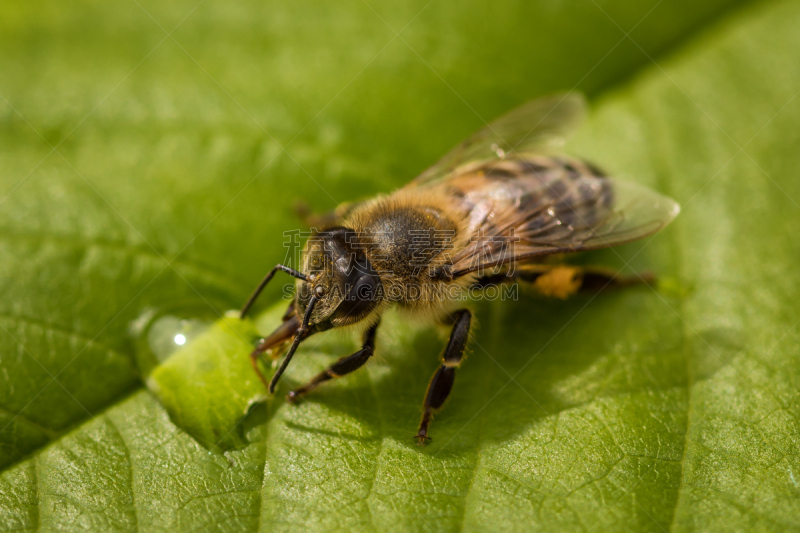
(532, 206)
(529, 128)
(636, 212)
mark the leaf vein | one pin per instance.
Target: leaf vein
(126, 449)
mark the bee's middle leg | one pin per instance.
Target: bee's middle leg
(342, 367)
(442, 381)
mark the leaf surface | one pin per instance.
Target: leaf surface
(637, 409)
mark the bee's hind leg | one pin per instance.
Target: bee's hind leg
(562, 281)
(442, 381)
(343, 366)
(598, 278)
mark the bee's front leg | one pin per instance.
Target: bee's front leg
(273, 344)
(343, 366)
(442, 380)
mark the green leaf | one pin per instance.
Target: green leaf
(143, 181)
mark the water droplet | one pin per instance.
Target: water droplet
(168, 333)
(158, 337)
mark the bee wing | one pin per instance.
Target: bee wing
(582, 213)
(528, 128)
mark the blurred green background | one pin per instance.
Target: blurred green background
(150, 156)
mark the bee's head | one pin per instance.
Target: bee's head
(338, 273)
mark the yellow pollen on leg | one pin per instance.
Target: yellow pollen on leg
(559, 282)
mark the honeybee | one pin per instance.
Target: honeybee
(490, 211)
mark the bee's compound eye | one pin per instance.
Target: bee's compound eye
(319, 290)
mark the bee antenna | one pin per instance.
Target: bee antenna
(292, 272)
(299, 337)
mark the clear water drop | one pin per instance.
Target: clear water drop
(169, 333)
(159, 336)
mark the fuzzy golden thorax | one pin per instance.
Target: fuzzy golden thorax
(408, 238)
